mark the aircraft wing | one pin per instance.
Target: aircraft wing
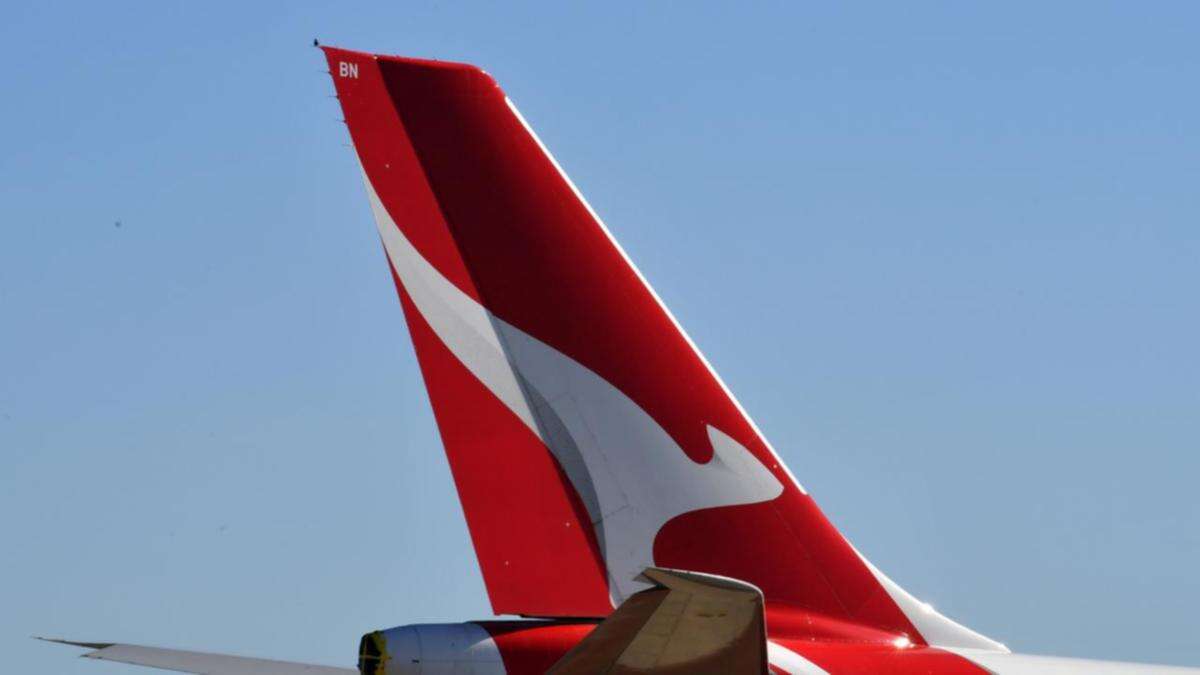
(687, 622)
(198, 662)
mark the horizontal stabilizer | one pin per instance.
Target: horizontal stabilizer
(197, 662)
(691, 623)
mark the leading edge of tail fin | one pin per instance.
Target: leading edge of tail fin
(587, 436)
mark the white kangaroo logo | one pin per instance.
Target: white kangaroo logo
(630, 473)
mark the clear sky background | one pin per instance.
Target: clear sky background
(947, 255)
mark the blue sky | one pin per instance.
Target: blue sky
(946, 254)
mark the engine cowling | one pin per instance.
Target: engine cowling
(472, 648)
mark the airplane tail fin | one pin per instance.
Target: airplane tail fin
(588, 437)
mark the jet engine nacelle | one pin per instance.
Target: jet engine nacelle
(473, 648)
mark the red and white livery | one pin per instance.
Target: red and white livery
(616, 493)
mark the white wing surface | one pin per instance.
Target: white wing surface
(198, 662)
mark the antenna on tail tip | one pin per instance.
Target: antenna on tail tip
(316, 42)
